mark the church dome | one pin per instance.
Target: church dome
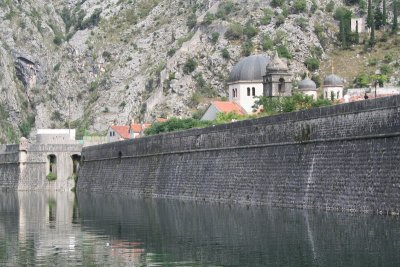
(307, 85)
(250, 68)
(333, 80)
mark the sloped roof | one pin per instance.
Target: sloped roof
(226, 107)
(276, 64)
(123, 130)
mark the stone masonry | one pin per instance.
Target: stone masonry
(343, 157)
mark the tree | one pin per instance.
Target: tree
(394, 25)
(370, 18)
(378, 18)
(372, 40)
(384, 15)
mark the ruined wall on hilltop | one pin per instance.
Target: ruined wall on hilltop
(343, 157)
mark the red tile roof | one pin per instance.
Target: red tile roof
(123, 130)
(226, 107)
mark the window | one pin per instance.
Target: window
(281, 85)
(110, 133)
(253, 91)
(326, 95)
(248, 91)
(337, 95)
(234, 92)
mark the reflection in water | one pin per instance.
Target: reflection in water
(58, 229)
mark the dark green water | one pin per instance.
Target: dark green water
(59, 229)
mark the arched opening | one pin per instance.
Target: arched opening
(253, 91)
(52, 164)
(281, 85)
(52, 167)
(248, 91)
(76, 159)
(337, 95)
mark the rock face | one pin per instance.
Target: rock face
(92, 63)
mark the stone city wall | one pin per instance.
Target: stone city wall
(25, 167)
(343, 157)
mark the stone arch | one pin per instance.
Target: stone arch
(52, 164)
(281, 85)
(76, 160)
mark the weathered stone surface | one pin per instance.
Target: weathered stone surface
(342, 157)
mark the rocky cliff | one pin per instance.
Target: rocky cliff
(90, 63)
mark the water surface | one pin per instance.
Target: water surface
(48, 229)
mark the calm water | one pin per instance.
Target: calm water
(42, 229)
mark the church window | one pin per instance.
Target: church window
(233, 92)
(337, 95)
(253, 91)
(326, 95)
(248, 91)
(110, 133)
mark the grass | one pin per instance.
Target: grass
(351, 62)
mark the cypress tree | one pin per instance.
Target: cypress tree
(394, 25)
(370, 16)
(342, 32)
(372, 38)
(356, 35)
(384, 15)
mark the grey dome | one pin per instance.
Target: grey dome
(276, 64)
(307, 85)
(250, 68)
(333, 80)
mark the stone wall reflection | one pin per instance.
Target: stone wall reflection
(243, 236)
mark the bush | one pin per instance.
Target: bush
(190, 66)
(284, 52)
(51, 177)
(58, 39)
(175, 124)
(266, 19)
(249, 30)
(266, 43)
(191, 21)
(330, 6)
(234, 32)
(214, 37)
(312, 63)
(277, 3)
(208, 19)
(362, 80)
(225, 54)
(247, 48)
(300, 6)
(171, 52)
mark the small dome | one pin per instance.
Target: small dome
(250, 68)
(333, 80)
(307, 85)
(276, 64)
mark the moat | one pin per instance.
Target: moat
(49, 229)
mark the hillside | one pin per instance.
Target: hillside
(90, 63)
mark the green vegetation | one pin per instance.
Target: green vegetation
(296, 102)
(203, 87)
(234, 32)
(299, 6)
(26, 126)
(268, 14)
(190, 65)
(51, 177)
(214, 37)
(191, 21)
(271, 106)
(284, 52)
(175, 124)
(225, 53)
(312, 63)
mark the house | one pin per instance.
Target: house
(124, 132)
(222, 107)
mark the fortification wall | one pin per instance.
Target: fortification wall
(343, 157)
(9, 167)
(25, 167)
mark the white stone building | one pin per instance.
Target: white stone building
(308, 87)
(333, 87)
(246, 81)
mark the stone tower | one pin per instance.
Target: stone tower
(277, 81)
